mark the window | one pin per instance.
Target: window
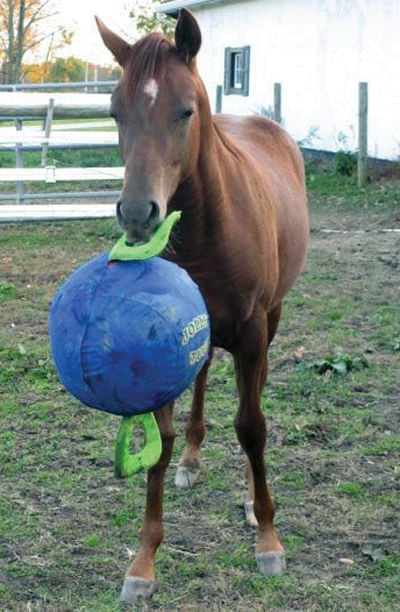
(237, 69)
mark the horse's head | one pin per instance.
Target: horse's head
(156, 107)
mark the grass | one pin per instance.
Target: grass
(68, 529)
(335, 197)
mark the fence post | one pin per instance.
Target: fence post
(362, 134)
(18, 163)
(278, 102)
(95, 78)
(218, 101)
(86, 75)
(47, 130)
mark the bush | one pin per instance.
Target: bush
(345, 163)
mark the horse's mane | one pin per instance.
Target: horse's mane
(147, 60)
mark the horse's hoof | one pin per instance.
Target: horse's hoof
(136, 589)
(271, 563)
(185, 477)
(249, 512)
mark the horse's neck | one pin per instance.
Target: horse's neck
(202, 198)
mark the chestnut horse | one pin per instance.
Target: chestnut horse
(239, 182)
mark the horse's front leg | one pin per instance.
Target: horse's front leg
(273, 322)
(189, 464)
(139, 580)
(251, 371)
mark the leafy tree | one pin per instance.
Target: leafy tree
(22, 29)
(34, 72)
(65, 70)
(108, 73)
(146, 20)
(57, 40)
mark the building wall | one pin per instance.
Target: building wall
(319, 50)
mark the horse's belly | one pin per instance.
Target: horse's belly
(228, 313)
(293, 239)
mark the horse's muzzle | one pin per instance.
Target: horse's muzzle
(139, 222)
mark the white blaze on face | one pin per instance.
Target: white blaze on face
(151, 89)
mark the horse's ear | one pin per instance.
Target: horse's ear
(117, 45)
(187, 35)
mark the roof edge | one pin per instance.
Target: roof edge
(175, 5)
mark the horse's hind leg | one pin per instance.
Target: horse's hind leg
(189, 464)
(251, 369)
(139, 580)
(273, 322)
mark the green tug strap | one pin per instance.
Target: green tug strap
(123, 251)
(127, 464)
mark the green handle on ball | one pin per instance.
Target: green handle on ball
(127, 464)
(123, 251)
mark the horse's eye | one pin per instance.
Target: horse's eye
(187, 114)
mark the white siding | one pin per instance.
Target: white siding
(319, 50)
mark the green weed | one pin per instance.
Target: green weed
(387, 445)
(8, 291)
(339, 364)
(352, 489)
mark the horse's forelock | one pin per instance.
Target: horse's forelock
(147, 60)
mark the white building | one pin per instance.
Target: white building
(319, 50)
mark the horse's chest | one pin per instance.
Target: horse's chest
(230, 290)
(228, 312)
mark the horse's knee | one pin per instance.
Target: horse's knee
(167, 441)
(167, 438)
(251, 431)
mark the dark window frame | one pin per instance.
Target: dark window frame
(230, 82)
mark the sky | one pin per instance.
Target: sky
(78, 15)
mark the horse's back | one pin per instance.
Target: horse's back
(265, 140)
(278, 160)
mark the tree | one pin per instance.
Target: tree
(146, 20)
(20, 32)
(68, 69)
(57, 40)
(34, 72)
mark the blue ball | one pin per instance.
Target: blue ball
(128, 337)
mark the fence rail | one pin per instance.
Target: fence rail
(54, 212)
(54, 86)
(64, 139)
(66, 105)
(51, 174)
(63, 195)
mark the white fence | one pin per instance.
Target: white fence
(23, 108)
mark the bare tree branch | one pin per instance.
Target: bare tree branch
(37, 42)
(47, 16)
(35, 19)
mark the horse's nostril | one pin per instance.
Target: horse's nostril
(119, 212)
(154, 213)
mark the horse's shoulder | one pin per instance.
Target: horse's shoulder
(245, 126)
(255, 130)
(264, 140)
